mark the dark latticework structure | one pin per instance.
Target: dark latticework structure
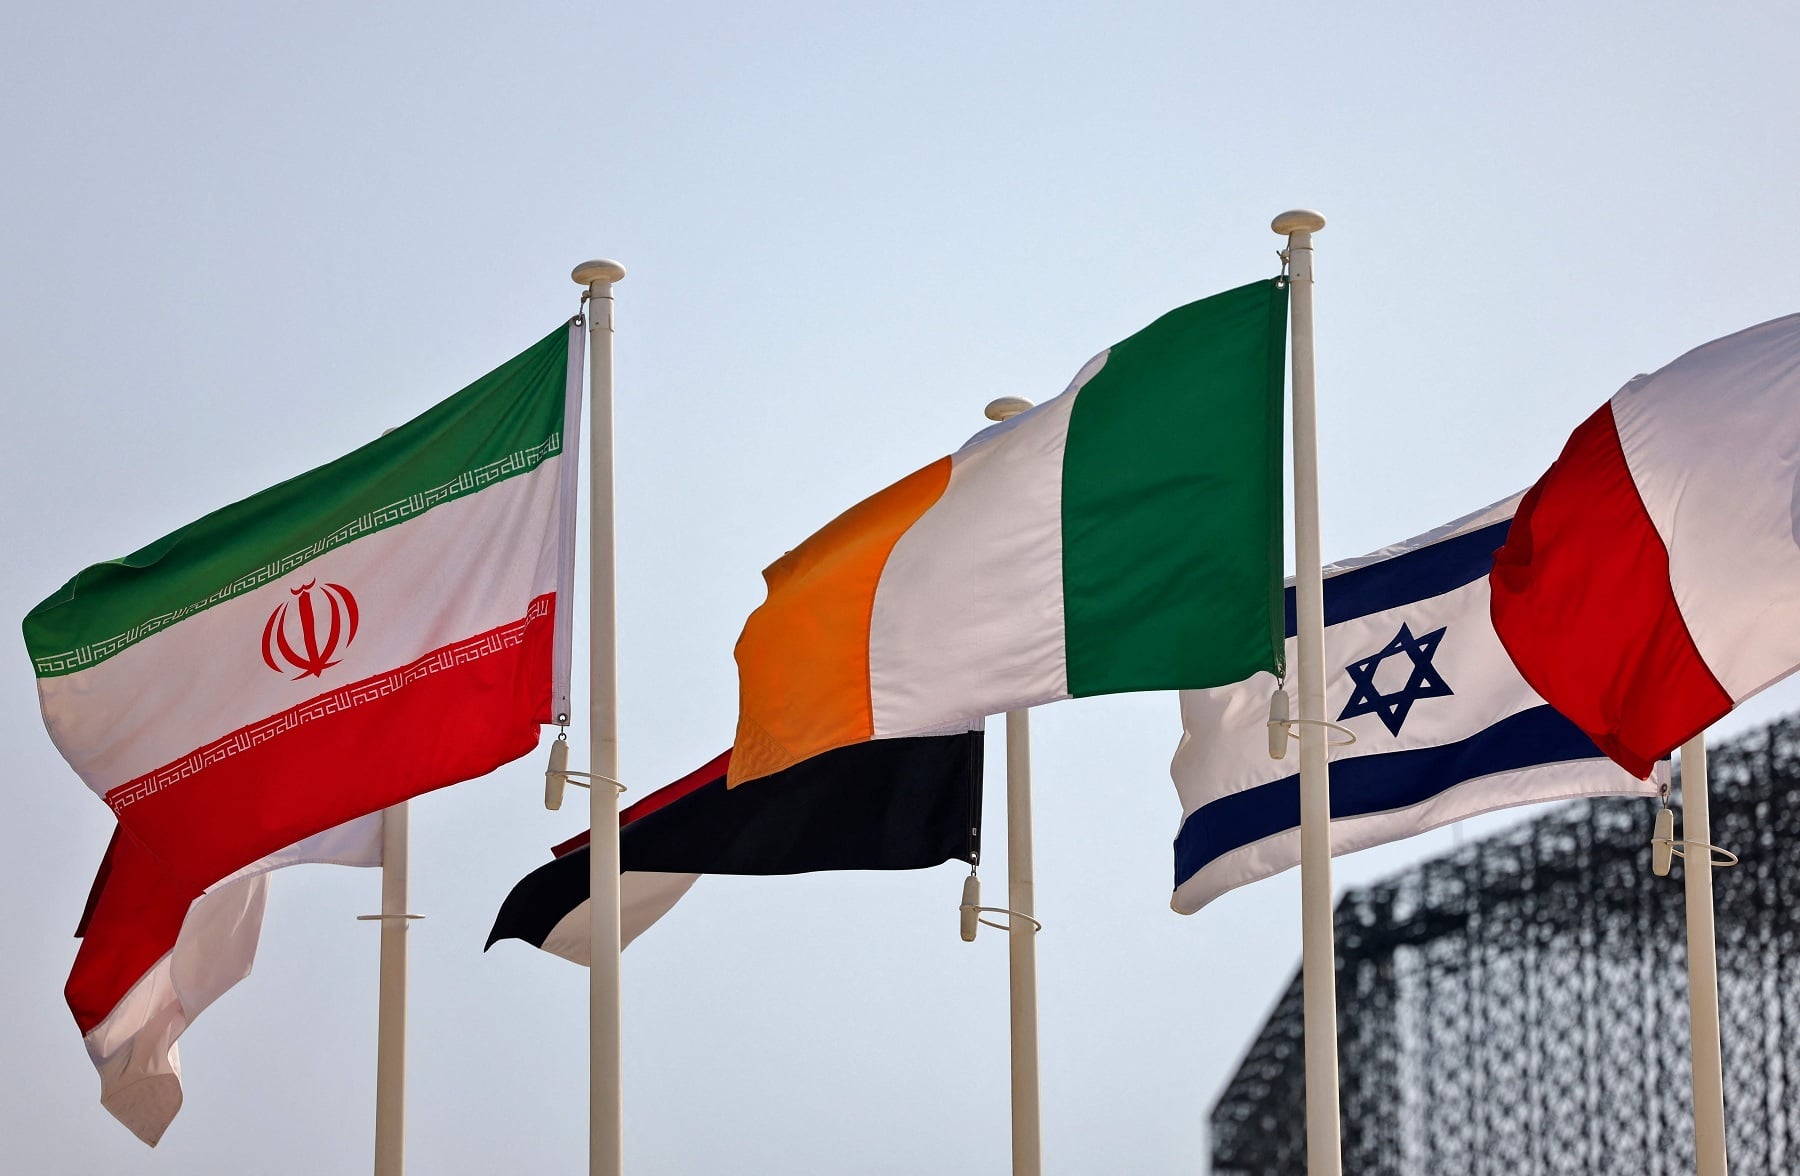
(1520, 1005)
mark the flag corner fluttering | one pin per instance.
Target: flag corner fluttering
(1645, 586)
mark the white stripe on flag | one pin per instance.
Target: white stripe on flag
(644, 897)
(205, 677)
(939, 615)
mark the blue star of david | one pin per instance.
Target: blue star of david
(1423, 682)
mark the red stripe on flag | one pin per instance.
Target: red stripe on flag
(99, 886)
(1583, 602)
(455, 714)
(708, 773)
(134, 917)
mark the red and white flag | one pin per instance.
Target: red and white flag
(152, 958)
(370, 630)
(1651, 579)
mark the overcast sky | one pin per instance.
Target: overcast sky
(241, 241)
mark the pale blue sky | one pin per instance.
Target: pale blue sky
(241, 241)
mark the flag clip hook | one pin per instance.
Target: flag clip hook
(1282, 727)
(1665, 846)
(972, 912)
(558, 774)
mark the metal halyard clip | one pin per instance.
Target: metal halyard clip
(1282, 726)
(557, 774)
(1665, 846)
(1279, 731)
(972, 911)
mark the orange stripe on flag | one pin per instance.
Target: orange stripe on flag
(803, 659)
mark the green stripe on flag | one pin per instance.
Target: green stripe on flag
(505, 424)
(1171, 507)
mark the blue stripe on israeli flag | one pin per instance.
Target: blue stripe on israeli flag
(1410, 576)
(1445, 727)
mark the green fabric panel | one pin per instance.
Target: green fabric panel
(1172, 501)
(504, 424)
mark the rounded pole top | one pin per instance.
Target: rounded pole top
(1006, 408)
(1298, 220)
(599, 270)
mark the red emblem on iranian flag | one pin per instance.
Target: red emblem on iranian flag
(326, 619)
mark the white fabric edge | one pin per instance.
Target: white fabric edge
(568, 496)
(644, 897)
(1280, 852)
(993, 432)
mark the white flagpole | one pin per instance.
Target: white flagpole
(1703, 967)
(1318, 953)
(606, 1108)
(1021, 935)
(390, 1032)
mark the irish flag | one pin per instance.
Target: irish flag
(1651, 579)
(1125, 535)
(376, 628)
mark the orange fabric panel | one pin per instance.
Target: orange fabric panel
(803, 659)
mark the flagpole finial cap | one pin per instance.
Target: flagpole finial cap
(599, 270)
(1006, 408)
(1298, 220)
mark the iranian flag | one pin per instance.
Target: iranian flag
(370, 630)
(1651, 579)
(1125, 535)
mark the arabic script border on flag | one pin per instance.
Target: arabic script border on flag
(325, 705)
(519, 462)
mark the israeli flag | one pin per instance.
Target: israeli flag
(1445, 727)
